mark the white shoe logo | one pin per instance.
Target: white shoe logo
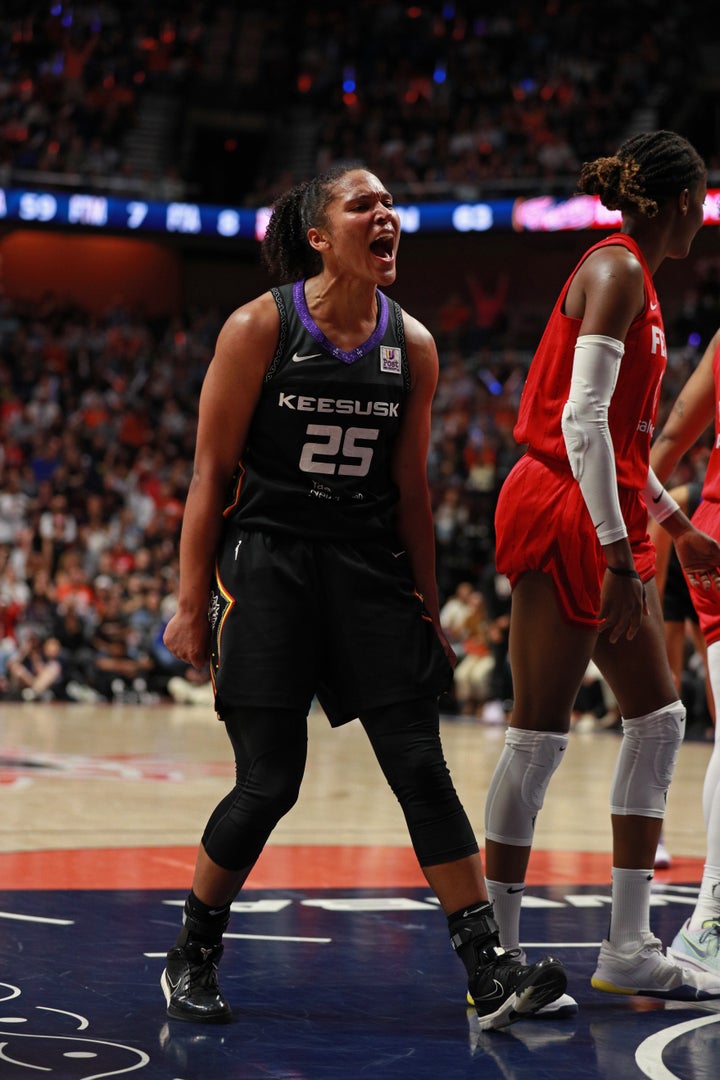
(497, 991)
(653, 306)
(310, 356)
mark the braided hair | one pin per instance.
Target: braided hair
(647, 170)
(285, 250)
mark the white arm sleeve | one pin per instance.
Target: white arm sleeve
(587, 435)
(659, 502)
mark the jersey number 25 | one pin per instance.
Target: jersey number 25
(322, 457)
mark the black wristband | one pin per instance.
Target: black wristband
(622, 571)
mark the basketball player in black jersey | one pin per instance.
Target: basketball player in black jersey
(308, 526)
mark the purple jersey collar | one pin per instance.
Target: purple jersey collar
(315, 331)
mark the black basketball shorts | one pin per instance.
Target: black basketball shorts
(292, 618)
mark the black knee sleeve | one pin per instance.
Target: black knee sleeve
(406, 741)
(270, 751)
(239, 827)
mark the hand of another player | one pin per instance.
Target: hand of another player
(699, 556)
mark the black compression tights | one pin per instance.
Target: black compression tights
(406, 741)
(270, 747)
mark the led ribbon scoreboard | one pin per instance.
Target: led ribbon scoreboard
(100, 213)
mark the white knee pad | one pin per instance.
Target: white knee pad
(517, 789)
(646, 761)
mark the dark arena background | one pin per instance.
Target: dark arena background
(140, 148)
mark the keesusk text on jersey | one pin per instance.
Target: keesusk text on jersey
(304, 403)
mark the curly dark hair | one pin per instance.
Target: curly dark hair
(647, 170)
(285, 250)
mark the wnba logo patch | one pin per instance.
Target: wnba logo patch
(390, 359)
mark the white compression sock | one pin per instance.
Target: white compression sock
(630, 915)
(711, 782)
(506, 900)
(708, 903)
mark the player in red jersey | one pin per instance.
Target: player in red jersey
(572, 538)
(697, 943)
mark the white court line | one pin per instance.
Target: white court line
(84, 1022)
(277, 937)
(648, 1055)
(561, 944)
(36, 918)
(260, 937)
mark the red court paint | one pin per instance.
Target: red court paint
(288, 867)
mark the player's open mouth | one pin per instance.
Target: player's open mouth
(384, 247)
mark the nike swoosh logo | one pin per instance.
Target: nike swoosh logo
(498, 992)
(397, 554)
(653, 306)
(701, 953)
(310, 356)
(517, 890)
(657, 498)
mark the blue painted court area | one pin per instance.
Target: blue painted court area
(326, 985)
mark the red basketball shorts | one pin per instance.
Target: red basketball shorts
(707, 601)
(542, 523)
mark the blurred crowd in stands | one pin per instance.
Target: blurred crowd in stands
(97, 429)
(96, 444)
(217, 101)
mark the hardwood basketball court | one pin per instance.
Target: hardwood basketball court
(337, 959)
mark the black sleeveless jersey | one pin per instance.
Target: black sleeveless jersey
(318, 457)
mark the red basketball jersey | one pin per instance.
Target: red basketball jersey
(633, 408)
(711, 486)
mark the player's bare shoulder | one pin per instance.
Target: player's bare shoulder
(250, 334)
(612, 266)
(421, 349)
(607, 291)
(416, 333)
(257, 318)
